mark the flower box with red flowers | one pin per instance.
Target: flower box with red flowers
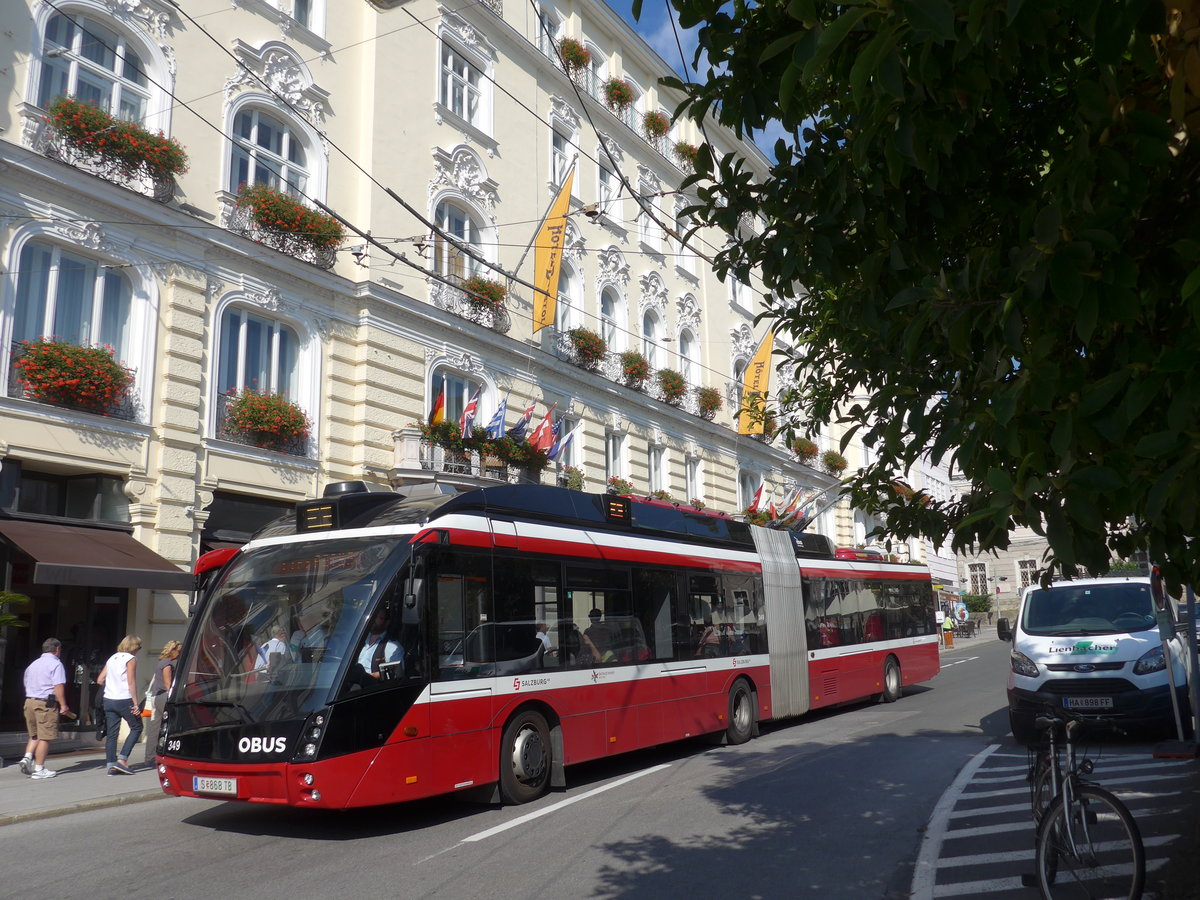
(708, 401)
(74, 376)
(266, 420)
(656, 123)
(618, 93)
(574, 55)
(275, 211)
(590, 348)
(126, 145)
(485, 292)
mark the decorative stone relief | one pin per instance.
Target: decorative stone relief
(278, 67)
(269, 299)
(654, 293)
(574, 246)
(614, 150)
(648, 182)
(687, 312)
(460, 360)
(561, 110)
(741, 343)
(616, 423)
(464, 171)
(613, 269)
(148, 18)
(89, 235)
(465, 33)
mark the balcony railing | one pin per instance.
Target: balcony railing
(417, 458)
(455, 301)
(610, 368)
(240, 220)
(38, 136)
(292, 447)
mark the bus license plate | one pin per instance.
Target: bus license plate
(226, 786)
(1087, 702)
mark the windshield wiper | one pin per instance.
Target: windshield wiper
(225, 703)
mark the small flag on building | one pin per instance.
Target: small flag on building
(438, 415)
(753, 507)
(564, 441)
(495, 427)
(467, 419)
(543, 436)
(517, 432)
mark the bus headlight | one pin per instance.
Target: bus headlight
(310, 737)
(1023, 665)
(1150, 661)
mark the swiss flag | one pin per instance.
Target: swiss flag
(543, 436)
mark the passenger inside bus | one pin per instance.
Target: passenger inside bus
(597, 637)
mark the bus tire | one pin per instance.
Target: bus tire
(525, 758)
(739, 726)
(893, 684)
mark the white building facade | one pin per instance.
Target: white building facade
(441, 138)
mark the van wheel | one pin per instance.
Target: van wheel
(893, 686)
(525, 759)
(740, 720)
(1022, 728)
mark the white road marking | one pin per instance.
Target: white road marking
(931, 845)
(529, 817)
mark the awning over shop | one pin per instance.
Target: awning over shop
(92, 557)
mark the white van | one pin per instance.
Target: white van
(1094, 646)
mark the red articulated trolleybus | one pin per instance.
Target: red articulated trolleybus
(382, 647)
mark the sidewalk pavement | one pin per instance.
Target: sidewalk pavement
(82, 783)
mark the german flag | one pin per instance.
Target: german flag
(439, 408)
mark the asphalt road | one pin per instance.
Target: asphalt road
(833, 806)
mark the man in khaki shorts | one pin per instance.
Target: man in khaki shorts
(45, 700)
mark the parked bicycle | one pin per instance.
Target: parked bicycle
(1088, 844)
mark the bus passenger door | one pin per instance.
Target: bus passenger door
(462, 747)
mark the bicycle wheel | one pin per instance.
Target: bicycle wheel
(1100, 855)
(1041, 790)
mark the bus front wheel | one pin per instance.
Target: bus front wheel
(740, 721)
(525, 757)
(893, 686)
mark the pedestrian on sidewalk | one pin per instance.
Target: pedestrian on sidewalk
(45, 699)
(164, 674)
(119, 677)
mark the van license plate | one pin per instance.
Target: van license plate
(225, 786)
(1087, 703)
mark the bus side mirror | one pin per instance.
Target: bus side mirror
(1003, 630)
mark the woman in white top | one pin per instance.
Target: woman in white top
(119, 677)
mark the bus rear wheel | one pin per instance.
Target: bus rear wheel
(739, 726)
(525, 757)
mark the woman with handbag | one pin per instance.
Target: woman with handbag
(156, 696)
(119, 678)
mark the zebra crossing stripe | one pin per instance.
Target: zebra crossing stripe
(925, 871)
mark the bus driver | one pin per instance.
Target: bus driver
(378, 648)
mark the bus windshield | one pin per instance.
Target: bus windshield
(1117, 608)
(279, 627)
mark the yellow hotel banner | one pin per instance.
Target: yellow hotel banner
(547, 257)
(755, 384)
